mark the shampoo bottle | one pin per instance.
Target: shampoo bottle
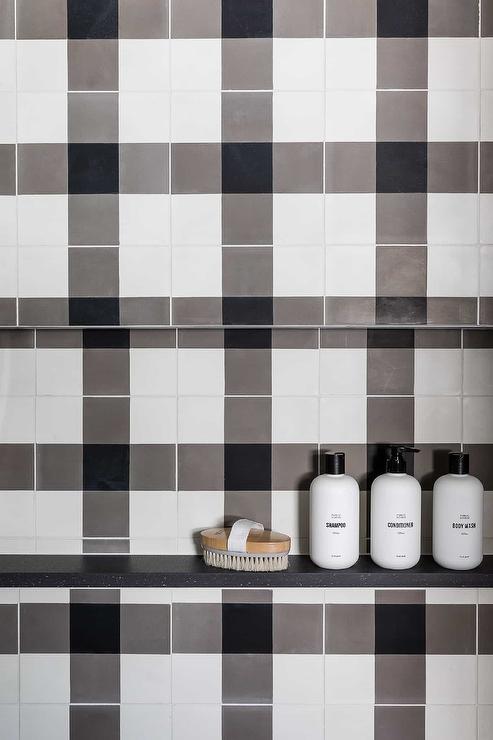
(458, 516)
(334, 516)
(396, 514)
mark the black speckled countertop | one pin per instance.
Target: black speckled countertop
(190, 571)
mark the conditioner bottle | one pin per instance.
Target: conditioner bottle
(458, 516)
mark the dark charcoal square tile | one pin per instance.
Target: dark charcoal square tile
(247, 167)
(401, 310)
(402, 18)
(98, 723)
(247, 679)
(93, 168)
(390, 372)
(16, 467)
(405, 723)
(485, 629)
(400, 629)
(247, 628)
(246, 20)
(145, 629)
(247, 338)
(92, 19)
(197, 628)
(247, 467)
(246, 310)
(106, 467)
(106, 339)
(390, 338)
(401, 167)
(105, 514)
(8, 629)
(450, 629)
(44, 628)
(94, 311)
(94, 628)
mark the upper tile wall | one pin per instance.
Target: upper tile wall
(272, 162)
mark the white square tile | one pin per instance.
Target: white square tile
(461, 276)
(9, 595)
(144, 116)
(299, 595)
(453, 723)
(451, 595)
(290, 514)
(290, 722)
(44, 679)
(487, 62)
(144, 64)
(201, 420)
(144, 219)
(478, 419)
(451, 679)
(7, 65)
(478, 372)
(350, 115)
(298, 679)
(487, 115)
(8, 272)
(437, 419)
(59, 514)
(485, 722)
(16, 419)
(196, 720)
(196, 679)
(43, 220)
(145, 271)
(153, 514)
(201, 372)
(486, 271)
(17, 369)
(9, 679)
(17, 545)
(42, 65)
(294, 372)
(8, 119)
(453, 116)
(195, 116)
(453, 63)
(145, 595)
(44, 722)
(42, 117)
(351, 63)
(152, 420)
(197, 595)
(197, 271)
(342, 372)
(43, 272)
(145, 679)
(196, 64)
(350, 270)
(486, 218)
(59, 372)
(153, 546)
(437, 372)
(298, 219)
(294, 420)
(55, 595)
(17, 514)
(298, 64)
(58, 546)
(196, 219)
(8, 217)
(343, 419)
(153, 372)
(349, 679)
(198, 510)
(58, 420)
(452, 218)
(350, 219)
(298, 271)
(9, 720)
(485, 679)
(152, 722)
(298, 116)
(351, 722)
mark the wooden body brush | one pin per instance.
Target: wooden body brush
(245, 546)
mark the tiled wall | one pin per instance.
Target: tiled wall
(347, 664)
(132, 441)
(229, 162)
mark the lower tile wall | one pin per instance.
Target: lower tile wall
(155, 664)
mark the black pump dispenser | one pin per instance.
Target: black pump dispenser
(458, 463)
(335, 463)
(396, 462)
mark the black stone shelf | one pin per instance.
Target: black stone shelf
(178, 571)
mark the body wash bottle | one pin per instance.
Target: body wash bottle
(458, 516)
(334, 516)
(396, 514)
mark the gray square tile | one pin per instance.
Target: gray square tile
(405, 723)
(8, 629)
(297, 167)
(7, 19)
(247, 679)
(293, 466)
(105, 547)
(247, 218)
(145, 629)
(144, 168)
(351, 18)
(144, 19)
(486, 154)
(92, 117)
(248, 372)
(401, 271)
(350, 629)
(153, 338)
(58, 339)
(246, 116)
(486, 18)
(8, 312)
(93, 272)
(44, 628)
(400, 679)
(247, 64)
(243, 723)
(93, 64)
(452, 167)
(144, 311)
(247, 420)
(7, 169)
(298, 311)
(16, 467)
(42, 169)
(390, 372)
(199, 311)
(93, 220)
(98, 723)
(246, 596)
(152, 468)
(450, 629)
(297, 629)
(58, 467)
(390, 419)
(402, 116)
(255, 505)
(192, 20)
(197, 628)
(402, 63)
(247, 271)
(485, 629)
(16, 338)
(481, 461)
(106, 372)
(42, 312)
(94, 678)
(486, 311)
(350, 167)
(359, 310)
(106, 420)
(105, 514)
(401, 218)
(449, 18)
(343, 338)
(451, 311)
(292, 19)
(94, 596)
(195, 168)
(200, 467)
(437, 339)
(295, 338)
(41, 19)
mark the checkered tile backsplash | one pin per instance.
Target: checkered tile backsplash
(116, 440)
(246, 162)
(282, 664)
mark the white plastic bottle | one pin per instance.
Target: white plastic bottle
(396, 515)
(458, 516)
(334, 516)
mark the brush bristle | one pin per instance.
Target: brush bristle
(257, 563)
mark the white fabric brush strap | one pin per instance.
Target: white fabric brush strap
(237, 540)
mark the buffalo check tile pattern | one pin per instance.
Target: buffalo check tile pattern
(116, 440)
(216, 162)
(120, 664)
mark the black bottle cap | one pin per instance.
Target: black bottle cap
(458, 463)
(335, 463)
(396, 462)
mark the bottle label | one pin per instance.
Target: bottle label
(400, 524)
(336, 523)
(464, 522)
